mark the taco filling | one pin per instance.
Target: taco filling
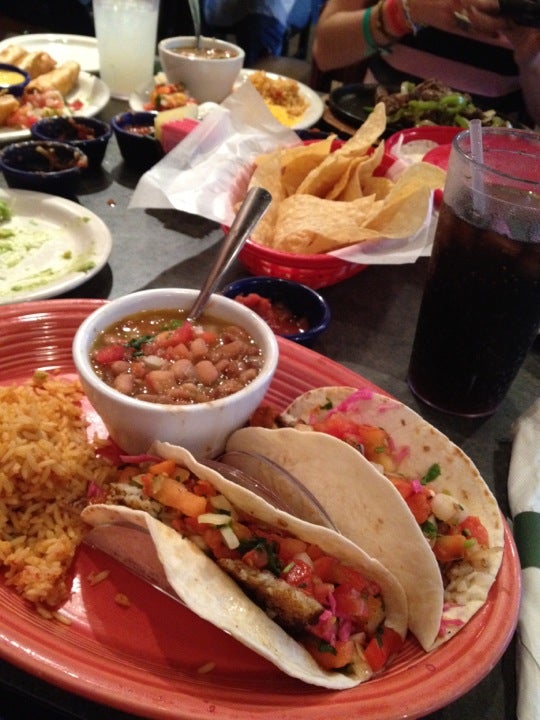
(440, 486)
(336, 612)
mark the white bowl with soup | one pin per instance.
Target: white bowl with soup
(152, 375)
(208, 72)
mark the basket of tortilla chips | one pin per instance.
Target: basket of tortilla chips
(327, 195)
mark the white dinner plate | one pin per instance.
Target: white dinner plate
(49, 246)
(88, 98)
(81, 48)
(315, 107)
(313, 113)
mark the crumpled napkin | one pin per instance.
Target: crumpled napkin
(210, 168)
(524, 498)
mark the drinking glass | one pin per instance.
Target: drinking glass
(126, 32)
(480, 311)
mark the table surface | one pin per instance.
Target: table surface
(373, 321)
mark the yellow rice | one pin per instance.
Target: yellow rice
(281, 92)
(46, 465)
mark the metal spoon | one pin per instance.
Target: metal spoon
(255, 205)
(196, 17)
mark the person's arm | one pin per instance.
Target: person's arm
(340, 37)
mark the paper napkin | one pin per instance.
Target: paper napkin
(208, 172)
(524, 498)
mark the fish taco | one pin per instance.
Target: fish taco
(301, 595)
(358, 452)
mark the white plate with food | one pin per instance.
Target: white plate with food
(87, 98)
(81, 48)
(314, 106)
(49, 245)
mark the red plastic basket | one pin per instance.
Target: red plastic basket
(315, 271)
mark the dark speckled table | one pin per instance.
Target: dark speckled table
(374, 317)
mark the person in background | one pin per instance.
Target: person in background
(62, 16)
(260, 26)
(468, 45)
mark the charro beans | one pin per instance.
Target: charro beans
(161, 357)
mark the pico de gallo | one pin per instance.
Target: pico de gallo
(36, 105)
(330, 608)
(452, 532)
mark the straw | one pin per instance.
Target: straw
(477, 152)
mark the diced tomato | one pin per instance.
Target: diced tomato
(257, 557)
(350, 603)
(109, 354)
(448, 548)
(209, 337)
(472, 527)
(314, 551)
(214, 539)
(331, 658)
(402, 485)
(204, 488)
(343, 574)
(323, 567)
(289, 547)
(299, 575)
(374, 440)
(382, 647)
(418, 504)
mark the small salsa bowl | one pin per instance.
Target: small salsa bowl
(44, 166)
(201, 427)
(297, 312)
(135, 135)
(13, 80)
(90, 135)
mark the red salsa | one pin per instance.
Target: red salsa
(275, 313)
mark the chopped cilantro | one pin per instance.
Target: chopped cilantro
(269, 547)
(429, 529)
(432, 474)
(325, 646)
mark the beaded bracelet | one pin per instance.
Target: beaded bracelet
(368, 37)
(379, 20)
(396, 20)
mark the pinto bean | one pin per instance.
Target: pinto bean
(206, 372)
(124, 383)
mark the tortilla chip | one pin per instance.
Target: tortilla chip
(309, 225)
(298, 162)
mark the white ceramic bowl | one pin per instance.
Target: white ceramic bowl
(207, 80)
(202, 428)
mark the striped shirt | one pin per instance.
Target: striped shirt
(482, 69)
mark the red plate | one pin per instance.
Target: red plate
(145, 659)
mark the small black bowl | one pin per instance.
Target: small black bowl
(90, 135)
(134, 132)
(43, 166)
(13, 86)
(301, 300)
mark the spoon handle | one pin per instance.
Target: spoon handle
(254, 206)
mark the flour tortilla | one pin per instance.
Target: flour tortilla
(210, 593)
(469, 586)
(363, 508)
